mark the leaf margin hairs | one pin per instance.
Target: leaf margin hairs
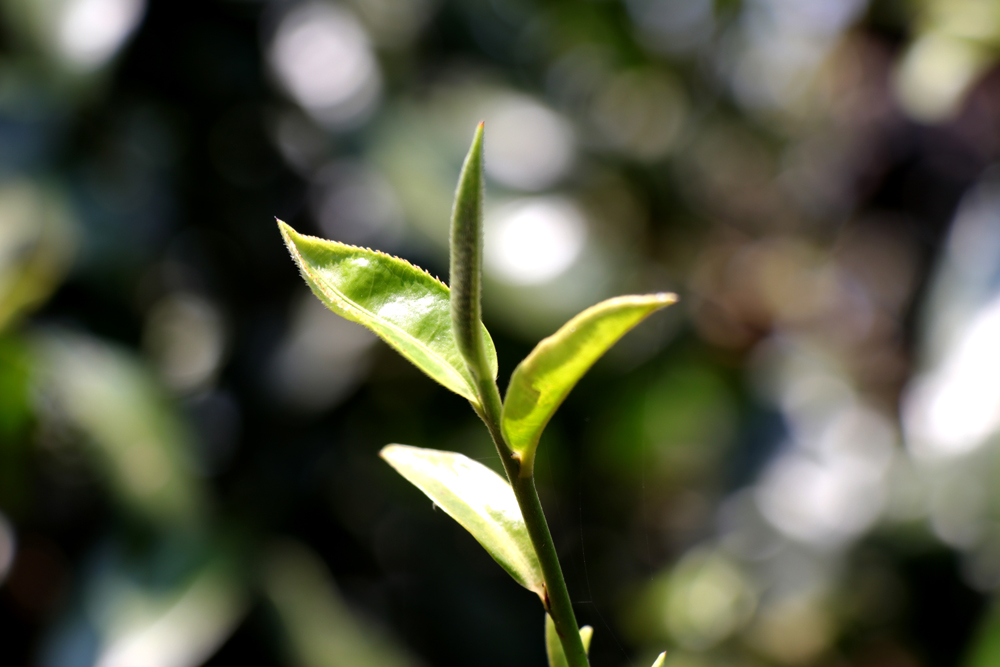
(454, 376)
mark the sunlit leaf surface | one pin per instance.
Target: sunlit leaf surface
(541, 382)
(402, 304)
(659, 659)
(553, 645)
(477, 498)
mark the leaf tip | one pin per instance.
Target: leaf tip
(386, 453)
(287, 233)
(659, 659)
(667, 298)
(657, 300)
(653, 302)
(473, 166)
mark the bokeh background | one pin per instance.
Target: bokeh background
(795, 466)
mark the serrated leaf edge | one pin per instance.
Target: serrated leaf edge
(472, 395)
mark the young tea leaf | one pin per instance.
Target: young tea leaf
(401, 303)
(659, 659)
(544, 378)
(467, 260)
(477, 498)
(553, 644)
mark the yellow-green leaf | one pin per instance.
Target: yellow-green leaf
(479, 499)
(400, 302)
(659, 659)
(553, 644)
(541, 382)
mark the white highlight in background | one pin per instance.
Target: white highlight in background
(533, 241)
(90, 32)
(953, 410)
(323, 58)
(830, 489)
(528, 146)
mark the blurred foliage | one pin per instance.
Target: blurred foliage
(321, 630)
(794, 466)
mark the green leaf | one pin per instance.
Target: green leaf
(477, 498)
(659, 659)
(553, 644)
(401, 303)
(467, 260)
(541, 382)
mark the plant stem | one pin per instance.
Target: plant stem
(557, 601)
(560, 606)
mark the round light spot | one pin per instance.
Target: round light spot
(322, 57)
(89, 32)
(534, 240)
(529, 147)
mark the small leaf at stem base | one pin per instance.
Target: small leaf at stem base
(553, 644)
(479, 499)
